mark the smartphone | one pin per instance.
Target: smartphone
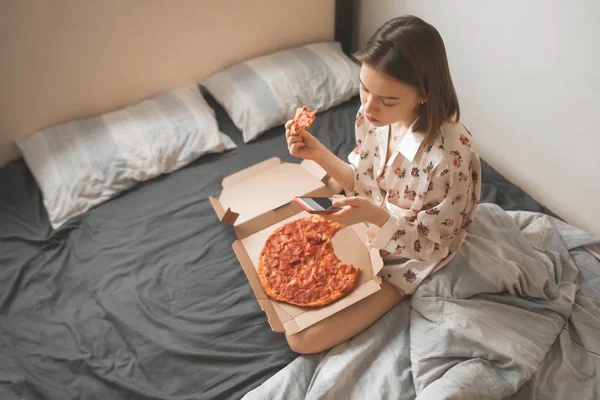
(317, 205)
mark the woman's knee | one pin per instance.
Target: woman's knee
(298, 345)
(306, 341)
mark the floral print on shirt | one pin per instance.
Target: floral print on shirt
(430, 187)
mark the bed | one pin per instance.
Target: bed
(142, 297)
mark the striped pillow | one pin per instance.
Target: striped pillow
(85, 162)
(264, 92)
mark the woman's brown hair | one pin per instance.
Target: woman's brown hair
(412, 51)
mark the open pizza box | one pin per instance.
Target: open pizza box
(258, 200)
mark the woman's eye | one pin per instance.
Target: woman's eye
(387, 105)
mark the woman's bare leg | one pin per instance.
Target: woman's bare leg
(347, 323)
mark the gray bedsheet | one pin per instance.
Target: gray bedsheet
(516, 314)
(142, 297)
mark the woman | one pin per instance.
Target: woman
(413, 178)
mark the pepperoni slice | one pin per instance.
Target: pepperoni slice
(329, 257)
(318, 253)
(347, 269)
(273, 263)
(301, 225)
(332, 269)
(288, 229)
(275, 254)
(304, 296)
(321, 280)
(324, 293)
(283, 263)
(301, 297)
(309, 283)
(320, 272)
(337, 283)
(285, 253)
(328, 261)
(276, 281)
(298, 237)
(296, 250)
(310, 226)
(289, 292)
(305, 273)
(310, 262)
(289, 272)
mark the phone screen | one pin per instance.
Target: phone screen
(319, 203)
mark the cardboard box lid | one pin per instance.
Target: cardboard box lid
(348, 246)
(265, 186)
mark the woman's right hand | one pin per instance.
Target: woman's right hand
(303, 144)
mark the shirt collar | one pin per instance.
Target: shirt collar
(410, 142)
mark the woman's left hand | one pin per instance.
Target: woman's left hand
(356, 210)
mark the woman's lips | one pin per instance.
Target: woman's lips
(372, 120)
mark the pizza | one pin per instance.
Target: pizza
(298, 265)
(302, 120)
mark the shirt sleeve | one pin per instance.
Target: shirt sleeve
(426, 235)
(360, 131)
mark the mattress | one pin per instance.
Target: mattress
(142, 297)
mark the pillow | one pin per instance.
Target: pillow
(264, 92)
(85, 162)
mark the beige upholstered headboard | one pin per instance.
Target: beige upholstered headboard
(64, 59)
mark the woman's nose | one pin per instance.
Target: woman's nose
(370, 107)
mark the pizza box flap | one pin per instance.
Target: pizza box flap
(226, 216)
(263, 300)
(350, 249)
(376, 260)
(316, 170)
(265, 187)
(239, 176)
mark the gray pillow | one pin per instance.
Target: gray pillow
(264, 92)
(85, 162)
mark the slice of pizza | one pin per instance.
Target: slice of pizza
(302, 120)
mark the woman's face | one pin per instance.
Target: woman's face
(386, 100)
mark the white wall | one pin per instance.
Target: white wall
(527, 75)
